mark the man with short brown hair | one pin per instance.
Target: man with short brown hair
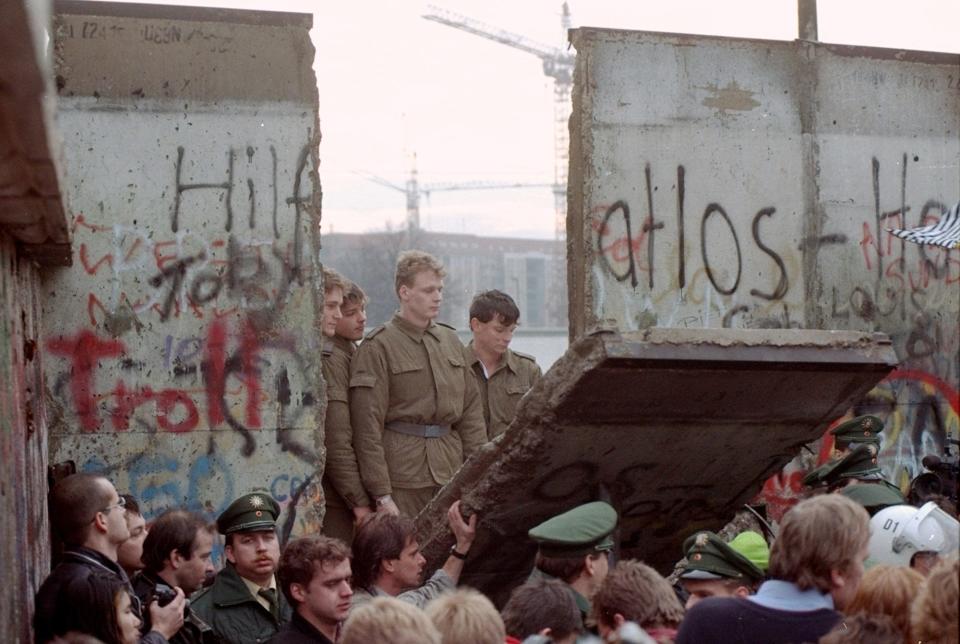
(816, 564)
(176, 554)
(315, 576)
(414, 405)
(635, 592)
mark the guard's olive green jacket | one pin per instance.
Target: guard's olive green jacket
(501, 392)
(418, 376)
(233, 613)
(341, 476)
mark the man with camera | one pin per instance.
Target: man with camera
(176, 554)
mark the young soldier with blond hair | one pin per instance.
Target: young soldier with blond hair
(414, 404)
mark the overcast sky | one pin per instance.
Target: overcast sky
(392, 84)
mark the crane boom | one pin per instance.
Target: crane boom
(556, 63)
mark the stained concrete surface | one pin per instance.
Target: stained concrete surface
(677, 428)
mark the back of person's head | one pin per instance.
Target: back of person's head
(88, 604)
(412, 262)
(864, 629)
(538, 604)
(381, 537)
(386, 619)
(302, 556)
(465, 615)
(887, 590)
(490, 304)
(172, 530)
(74, 503)
(817, 536)
(933, 617)
(639, 594)
(564, 568)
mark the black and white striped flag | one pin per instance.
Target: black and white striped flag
(945, 233)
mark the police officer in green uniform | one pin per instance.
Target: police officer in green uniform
(862, 430)
(858, 477)
(715, 568)
(243, 605)
(414, 404)
(856, 431)
(503, 375)
(574, 547)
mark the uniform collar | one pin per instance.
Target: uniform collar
(230, 588)
(509, 359)
(344, 345)
(413, 332)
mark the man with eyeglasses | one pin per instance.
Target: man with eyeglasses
(87, 515)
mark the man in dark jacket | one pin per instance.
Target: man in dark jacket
(176, 554)
(243, 605)
(87, 514)
(315, 578)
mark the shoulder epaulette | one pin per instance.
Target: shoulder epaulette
(375, 332)
(525, 356)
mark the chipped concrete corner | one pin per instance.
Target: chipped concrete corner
(181, 354)
(657, 422)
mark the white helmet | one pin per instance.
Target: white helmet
(900, 531)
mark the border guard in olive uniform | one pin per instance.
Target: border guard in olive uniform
(503, 375)
(346, 500)
(414, 405)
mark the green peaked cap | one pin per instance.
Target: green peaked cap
(860, 462)
(710, 557)
(862, 429)
(256, 511)
(581, 531)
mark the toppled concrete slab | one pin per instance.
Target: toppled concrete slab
(677, 428)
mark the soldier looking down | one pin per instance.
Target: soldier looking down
(414, 404)
(503, 376)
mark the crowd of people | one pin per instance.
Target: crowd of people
(851, 563)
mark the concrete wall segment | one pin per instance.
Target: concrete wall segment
(698, 160)
(184, 344)
(24, 532)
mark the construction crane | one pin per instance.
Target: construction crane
(558, 65)
(413, 190)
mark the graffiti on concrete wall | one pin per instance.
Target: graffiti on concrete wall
(661, 255)
(188, 334)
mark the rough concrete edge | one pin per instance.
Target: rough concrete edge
(312, 501)
(840, 49)
(815, 338)
(806, 97)
(578, 174)
(517, 447)
(180, 12)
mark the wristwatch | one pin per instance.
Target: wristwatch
(383, 500)
(459, 555)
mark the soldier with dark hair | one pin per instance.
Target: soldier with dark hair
(503, 375)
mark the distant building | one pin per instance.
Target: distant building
(532, 271)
